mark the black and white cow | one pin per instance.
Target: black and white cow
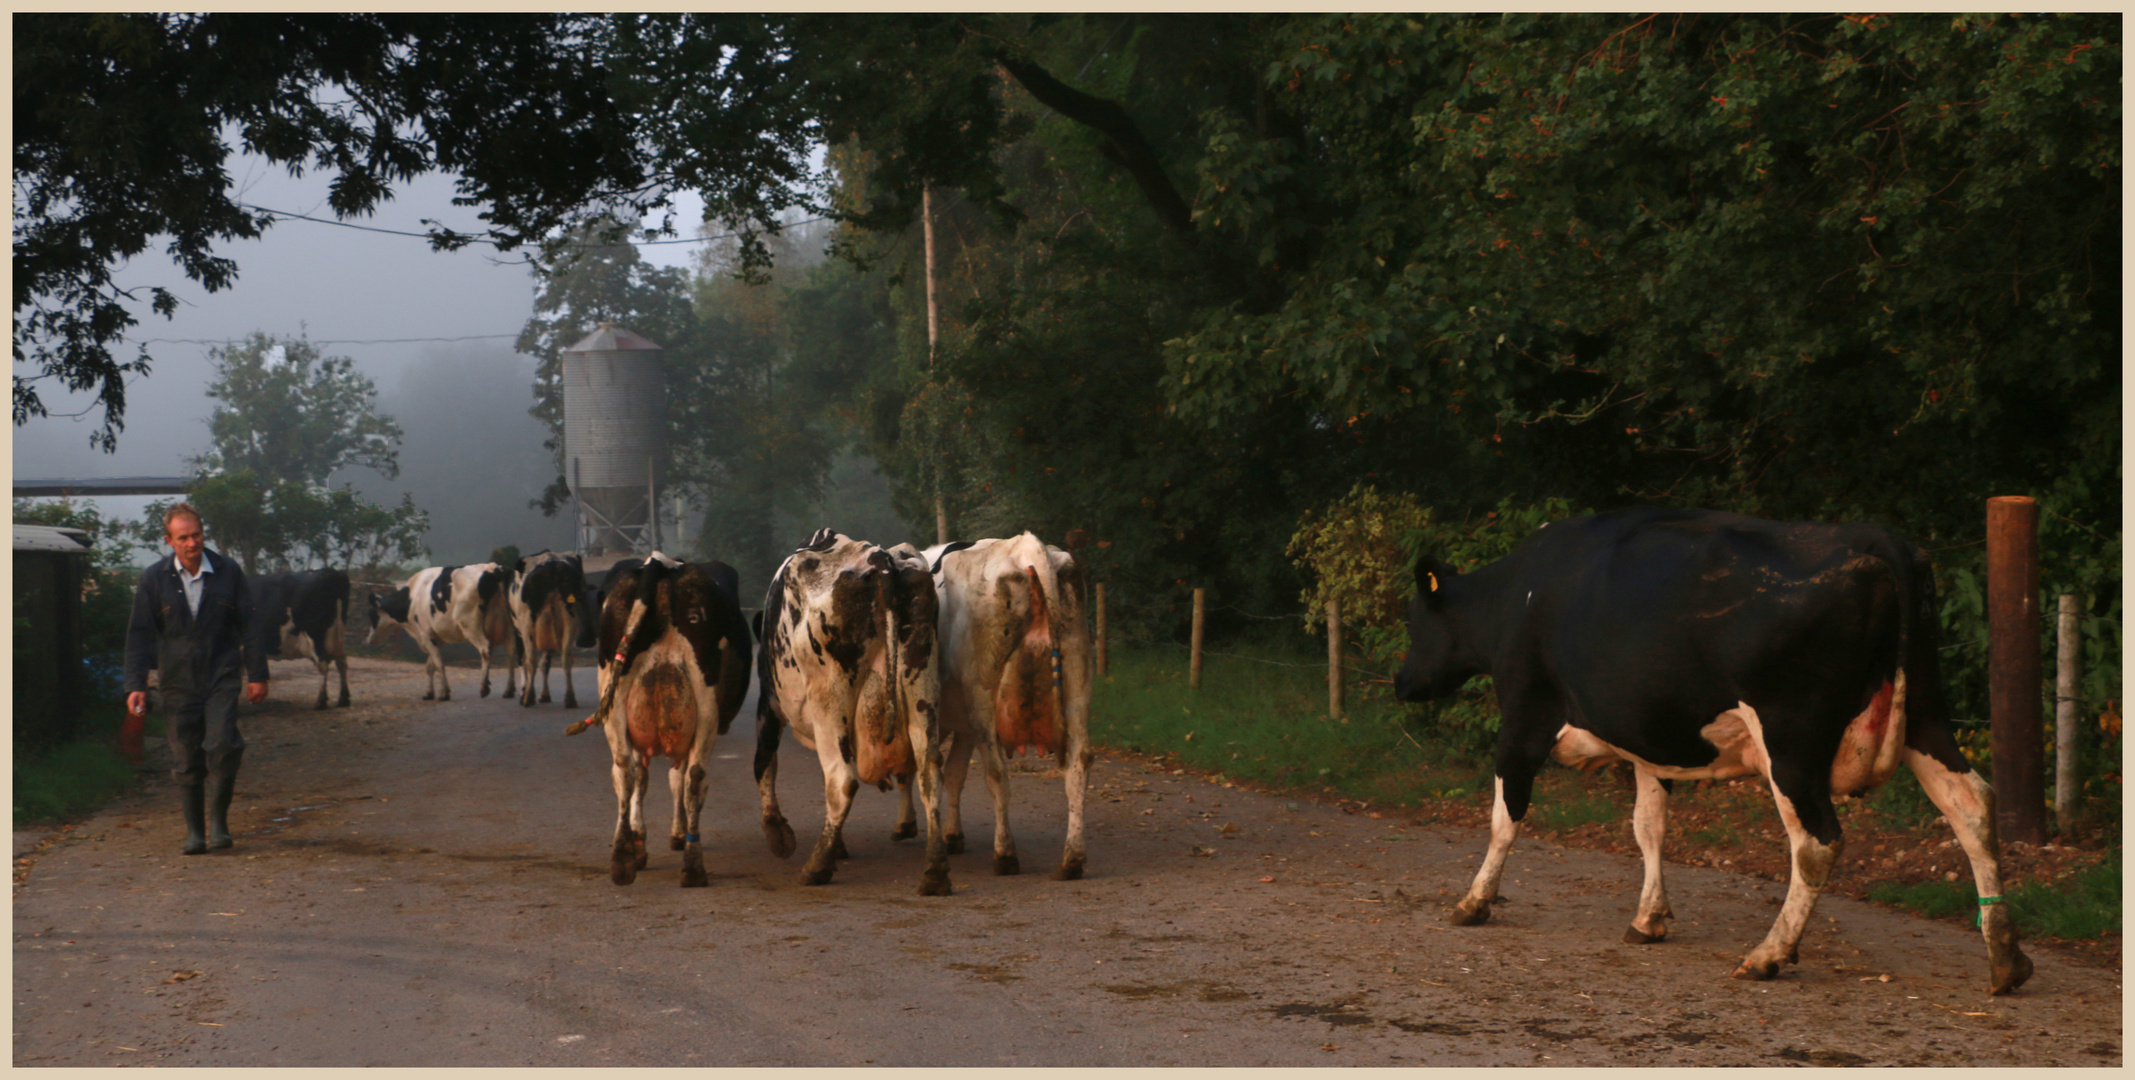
(674, 668)
(848, 633)
(1015, 674)
(550, 614)
(1702, 645)
(447, 604)
(309, 608)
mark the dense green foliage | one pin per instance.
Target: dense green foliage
(289, 419)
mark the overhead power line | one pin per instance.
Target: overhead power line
(492, 243)
(332, 341)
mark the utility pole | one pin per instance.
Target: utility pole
(926, 216)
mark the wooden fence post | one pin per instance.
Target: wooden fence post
(1100, 628)
(2013, 668)
(2064, 717)
(1193, 677)
(1334, 660)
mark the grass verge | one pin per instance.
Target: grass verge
(2085, 904)
(1265, 720)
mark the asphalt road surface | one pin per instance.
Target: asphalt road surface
(425, 883)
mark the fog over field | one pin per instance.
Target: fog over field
(472, 456)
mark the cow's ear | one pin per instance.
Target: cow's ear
(1431, 576)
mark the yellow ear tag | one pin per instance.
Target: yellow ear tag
(1434, 581)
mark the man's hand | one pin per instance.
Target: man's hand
(137, 702)
(255, 692)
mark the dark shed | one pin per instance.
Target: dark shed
(50, 687)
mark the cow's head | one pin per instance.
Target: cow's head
(388, 610)
(1436, 664)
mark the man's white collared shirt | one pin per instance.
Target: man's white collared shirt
(192, 582)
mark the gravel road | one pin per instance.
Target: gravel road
(425, 883)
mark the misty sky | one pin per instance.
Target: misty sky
(472, 456)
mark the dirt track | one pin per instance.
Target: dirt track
(421, 883)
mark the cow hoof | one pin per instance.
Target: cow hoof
(1794, 955)
(570, 701)
(1470, 913)
(1006, 866)
(622, 871)
(695, 879)
(816, 877)
(837, 849)
(321, 706)
(1756, 970)
(2012, 976)
(544, 697)
(642, 859)
(1069, 871)
(485, 690)
(674, 843)
(954, 842)
(780, 836)
(1635, 936)
(933, 884)
(344, 700)
(905, 830)
(431, 696)
(195, 845)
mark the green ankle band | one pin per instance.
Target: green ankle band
(1985, 902)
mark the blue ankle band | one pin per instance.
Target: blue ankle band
(690, 839)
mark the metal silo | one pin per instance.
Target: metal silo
(614, 438)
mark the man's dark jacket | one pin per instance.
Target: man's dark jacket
(193, 653)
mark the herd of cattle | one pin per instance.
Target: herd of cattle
(1686, 644)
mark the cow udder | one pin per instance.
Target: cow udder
(660, 711)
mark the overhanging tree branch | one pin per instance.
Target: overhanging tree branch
(1124, 147)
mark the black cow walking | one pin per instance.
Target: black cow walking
(674, 668)
(1702, 645)
(304, 615)
(550, 613)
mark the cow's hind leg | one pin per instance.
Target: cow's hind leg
(570, 689)
(956, 764)
(1803, 793)
(1004, 841)
(907, 825)
(839, 784)
(693, 875)
(778, 833)
(1073, 855)
(547, 658)
(677, 784)
(1649, 822)
(341, 666)
(1965, 799)
(326, 670)
(622, 860)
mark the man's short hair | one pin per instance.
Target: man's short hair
(178, 510)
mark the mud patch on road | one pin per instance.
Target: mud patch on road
(1822, 1057)
(1212, 992)
(1343, 1015)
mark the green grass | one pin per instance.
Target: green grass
(1267, 722)
(2085, 904)
(68, 781)
(1570, 808)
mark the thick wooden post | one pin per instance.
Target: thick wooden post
(1100, 628)
(2013, 668)
(1334, 660)
(2064, 717)
(1193, 677)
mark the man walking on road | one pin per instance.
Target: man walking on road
(193, 623)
